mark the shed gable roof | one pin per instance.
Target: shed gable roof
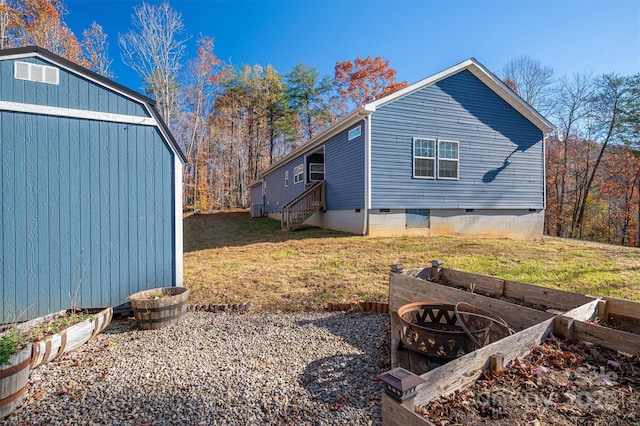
(150, 104)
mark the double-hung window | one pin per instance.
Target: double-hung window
(435, 159)
(447, 160)
(424, 158)
(286, 178)
(316, 172)
(298, 173)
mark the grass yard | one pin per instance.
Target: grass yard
(231, 258)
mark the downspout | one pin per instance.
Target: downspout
(367, 175)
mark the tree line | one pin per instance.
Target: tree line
(233, 120)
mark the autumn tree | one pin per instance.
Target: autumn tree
(531, 80)
(617, 185)
(96, 50)
(364, 80)
(155, 49)
(279, 124)
(612, 122)
(200, 86)
(308, 94)
(38, 23)
(574, 96)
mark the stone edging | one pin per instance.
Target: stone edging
(220, 307)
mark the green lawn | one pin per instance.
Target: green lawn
(231, 258)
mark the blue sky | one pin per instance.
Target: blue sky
(418, 37)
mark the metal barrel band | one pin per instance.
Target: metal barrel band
(15, 368)
(163, 319)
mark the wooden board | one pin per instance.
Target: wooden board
(403, 290)
(607, 337)
(465, 370)
(396, 414)
(552, 298)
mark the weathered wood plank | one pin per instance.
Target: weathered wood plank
(529, 293)
(480, 283)
(627, 308)
(550, 297)
(465, 370)
(607, 337)
(403, 290)
(395, 414)
(397, 360)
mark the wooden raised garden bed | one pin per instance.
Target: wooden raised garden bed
(534, 313)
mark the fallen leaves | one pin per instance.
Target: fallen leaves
(557, 383)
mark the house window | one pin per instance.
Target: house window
(286, 178)
(298, 174)
(316, 172)
(447, 160)
(355, 132)
(424, 158)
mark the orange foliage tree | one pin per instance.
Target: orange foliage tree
(39, 23)
(365, 80)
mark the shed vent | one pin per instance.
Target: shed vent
(35, 72)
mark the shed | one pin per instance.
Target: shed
(457, 153)
(91, 184)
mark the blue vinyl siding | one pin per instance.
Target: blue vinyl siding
(500, 151)
(343, 173)
(276, 194)
(344, 170)
(84, 191)
(73, 92)
(256, 194)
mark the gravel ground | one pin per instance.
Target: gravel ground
(308, 368)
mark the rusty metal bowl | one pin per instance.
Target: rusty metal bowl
(434, 329)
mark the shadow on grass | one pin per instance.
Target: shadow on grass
(237, 228)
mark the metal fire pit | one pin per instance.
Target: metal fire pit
(440, 329)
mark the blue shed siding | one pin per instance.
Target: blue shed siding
(82, 197)
(344, 170)
(73, 92)
(500, 151)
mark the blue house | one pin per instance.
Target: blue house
(457, 153)
(91, 189)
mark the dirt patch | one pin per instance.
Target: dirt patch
(558, 383)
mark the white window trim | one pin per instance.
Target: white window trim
(311, 172)
(298, 177)
(357, 129)
(457, 160)
(286, 178)
(414, 156)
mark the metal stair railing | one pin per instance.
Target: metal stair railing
(296, 211)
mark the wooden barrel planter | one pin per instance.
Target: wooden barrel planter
(159, 307)
(13, 380)
(70, 338)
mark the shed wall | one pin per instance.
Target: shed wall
(87, 208)
(74, 91)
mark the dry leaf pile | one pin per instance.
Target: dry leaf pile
(558, 383)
